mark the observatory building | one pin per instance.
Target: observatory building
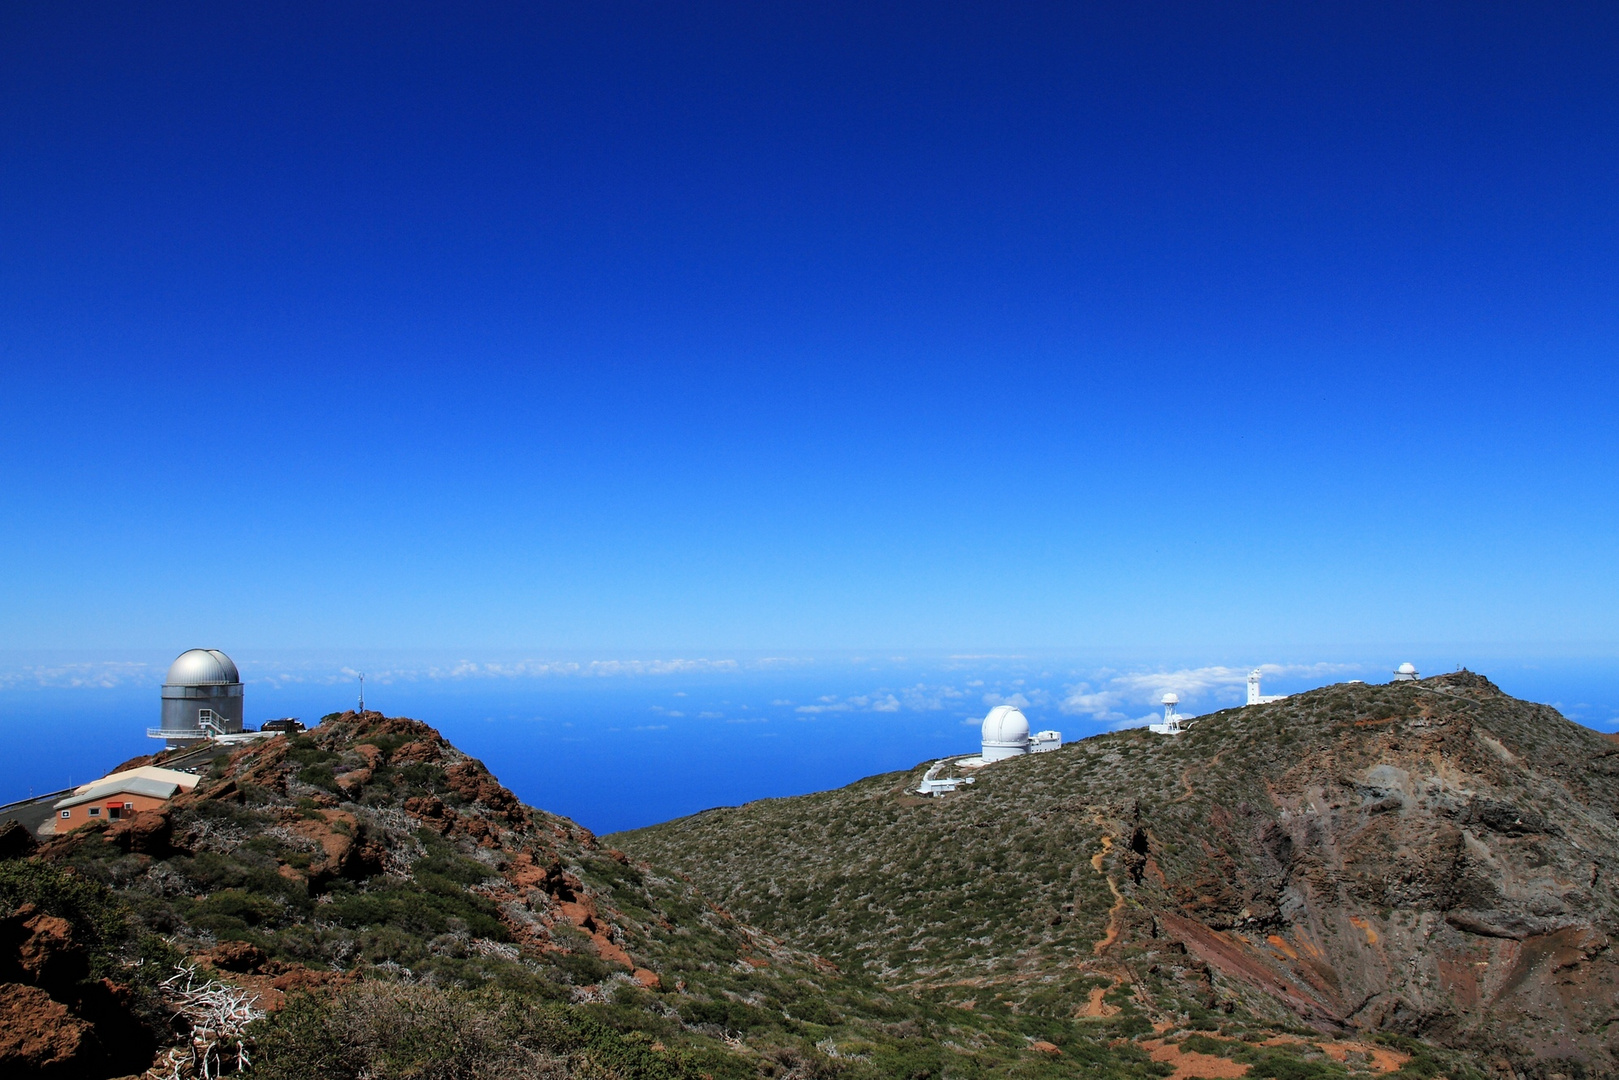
(1254, 696)
(1406, 672)
(202, 698)
(1172, 719)
(1006, 734)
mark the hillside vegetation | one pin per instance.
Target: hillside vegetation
(1425, 859)
(395, 912)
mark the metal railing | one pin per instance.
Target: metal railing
(51, 796)
(208, 727)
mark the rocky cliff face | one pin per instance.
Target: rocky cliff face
(1432, 858)
(1435, 858)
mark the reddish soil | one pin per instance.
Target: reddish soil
(1189, 1064)
(1095, 1008)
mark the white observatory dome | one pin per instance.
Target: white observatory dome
(1006, 724)
(202, 667)
(1006, 733)
(1407, 668)
(1170, 699)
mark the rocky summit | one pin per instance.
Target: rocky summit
(1360, 871)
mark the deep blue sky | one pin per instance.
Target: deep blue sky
(675, 327)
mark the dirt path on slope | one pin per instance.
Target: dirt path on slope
(1112, 934)
(1186, 775)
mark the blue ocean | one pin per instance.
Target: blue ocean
(624, 742)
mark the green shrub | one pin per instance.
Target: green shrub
(100, 922)
(1286, 1067)
(387, 1031)
(320, 776)
(814, 1010)
(236, 905)
(724, 1013)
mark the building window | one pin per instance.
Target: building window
(129, 806)
(67, 813)
(95, 811)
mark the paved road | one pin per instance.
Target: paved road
(32, 815)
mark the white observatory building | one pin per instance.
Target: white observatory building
(1006, 734)
(1172, 719)
(1406, 672)
(202, 698)
(1254, 696)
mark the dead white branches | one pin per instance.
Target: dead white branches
(217, 1015)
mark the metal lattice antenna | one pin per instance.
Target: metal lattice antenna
(362, 693)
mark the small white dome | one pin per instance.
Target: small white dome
(1171, 699)
(202, 667)
(1004, 725)
(1407, 668)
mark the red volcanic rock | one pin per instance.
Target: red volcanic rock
(38, 1035)
(39, 949)
(470, 780)
(234, 956)
(343, 852)
(418, 751)
(145, 833)
(133, 763)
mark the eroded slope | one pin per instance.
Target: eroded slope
(1433, 858)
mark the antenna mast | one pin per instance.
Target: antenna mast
(362, 693)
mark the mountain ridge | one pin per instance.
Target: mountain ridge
(1423, 858)
(365, 900)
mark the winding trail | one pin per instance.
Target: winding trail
(1112, 934)
(1186, 774)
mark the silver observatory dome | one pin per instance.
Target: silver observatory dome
(202, 696)
(202, 667)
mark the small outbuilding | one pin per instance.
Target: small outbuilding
(109, 802)
(121, 794)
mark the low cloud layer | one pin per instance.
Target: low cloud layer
(1131, 699)
(1110, 697)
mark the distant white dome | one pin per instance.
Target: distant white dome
(1170, 699)
(202, 667)
(1407, 668)
(1006, 733)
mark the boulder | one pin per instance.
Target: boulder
(40, 1036)
(16, 842)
